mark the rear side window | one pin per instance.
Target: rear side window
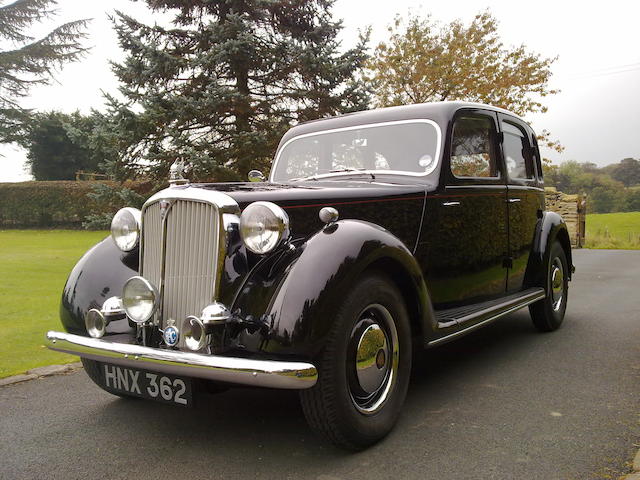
(473, 147)
(517, 152)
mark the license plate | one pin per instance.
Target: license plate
(154, 386)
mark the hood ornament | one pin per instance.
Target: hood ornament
(176, 173)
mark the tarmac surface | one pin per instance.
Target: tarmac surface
(505, 402)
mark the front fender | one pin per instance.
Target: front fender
(550, 227)
(98, 275)
(300, 295)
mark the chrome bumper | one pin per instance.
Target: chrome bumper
(260, 373)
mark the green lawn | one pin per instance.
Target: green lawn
(613, 230)
(34, 265)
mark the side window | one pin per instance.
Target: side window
(517, 152)
(472, 147)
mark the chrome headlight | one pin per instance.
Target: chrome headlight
(263, 225)
(139, 299)
(125, 228)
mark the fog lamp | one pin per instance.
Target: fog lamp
(95, 323)
(195, 334)
(139, 299)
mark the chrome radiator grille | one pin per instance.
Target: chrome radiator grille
(191, 235)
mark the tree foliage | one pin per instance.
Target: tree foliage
(425, 62)
(29, 61)
(606, 193)
(627, 172)
(222, 83)
(59, 144)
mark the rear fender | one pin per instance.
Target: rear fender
(551, 227)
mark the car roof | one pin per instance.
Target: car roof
(440, 112)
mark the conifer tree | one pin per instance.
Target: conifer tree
(221, 82)
(26, 61)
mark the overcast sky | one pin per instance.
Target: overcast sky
(596, 116)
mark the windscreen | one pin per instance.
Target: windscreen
(409, 147)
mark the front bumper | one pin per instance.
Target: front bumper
(260, 373)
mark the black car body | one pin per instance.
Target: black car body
(431, 216)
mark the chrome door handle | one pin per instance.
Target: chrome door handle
(451, 204)
(513, 200)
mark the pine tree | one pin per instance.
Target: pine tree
(221, 84)
(29, 61)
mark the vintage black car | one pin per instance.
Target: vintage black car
(377, 233)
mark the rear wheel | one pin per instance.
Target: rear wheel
(547, 314)
(364, 370)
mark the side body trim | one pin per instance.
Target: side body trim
(488, 315)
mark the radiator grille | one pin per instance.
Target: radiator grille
(190, 260)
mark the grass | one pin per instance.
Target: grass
(613, 230)
(34, 265)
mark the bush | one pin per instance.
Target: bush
(58, 204)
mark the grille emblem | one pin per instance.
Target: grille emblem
(164, 206)
(171, 336)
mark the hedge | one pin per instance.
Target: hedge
(53, 204)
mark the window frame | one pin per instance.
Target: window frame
(536, 160)
(436, 163)
(525, 135)
(494, 180)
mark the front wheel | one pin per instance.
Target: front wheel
(365, 367)
(547, 314)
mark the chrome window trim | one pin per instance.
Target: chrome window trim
(437, 155)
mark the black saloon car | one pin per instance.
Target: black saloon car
(376, 233)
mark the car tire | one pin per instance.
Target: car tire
(96, 374)
(547, 314)
(364, 370)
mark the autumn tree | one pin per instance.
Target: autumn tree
(425, 62)
(223, 80)
(26, 61)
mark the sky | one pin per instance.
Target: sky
(596, 116)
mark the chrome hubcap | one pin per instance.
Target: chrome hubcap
(557, 283)
(373, 359)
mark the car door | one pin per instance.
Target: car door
(525, 195)
(466, 218)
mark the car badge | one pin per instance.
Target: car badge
(164, 206)
(171, 336)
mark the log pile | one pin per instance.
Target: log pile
(572, 208)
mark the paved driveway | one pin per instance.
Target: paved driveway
(505, 402)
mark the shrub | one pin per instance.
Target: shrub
(58, 204)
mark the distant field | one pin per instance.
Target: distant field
(613, 230)
(34, 265)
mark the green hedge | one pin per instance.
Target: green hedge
(55, 204)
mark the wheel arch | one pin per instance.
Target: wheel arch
(551, 227)
(563, 237)
(309, 287)
(398, 275)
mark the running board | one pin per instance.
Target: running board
(483, 313)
